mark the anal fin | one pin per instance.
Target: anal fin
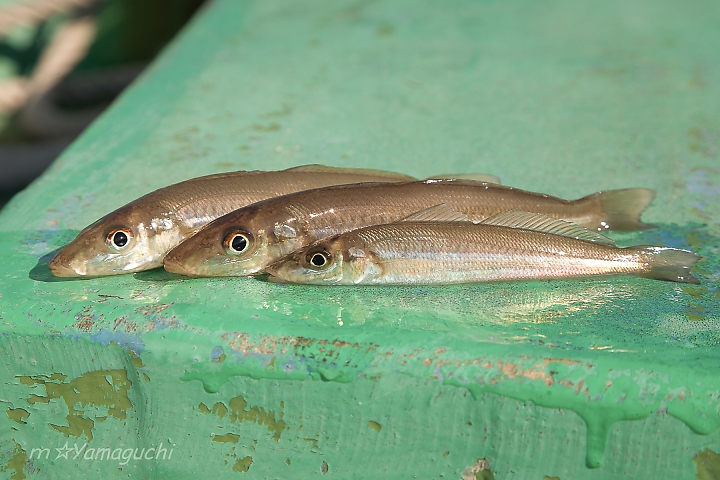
(542, 223)
(438, 213)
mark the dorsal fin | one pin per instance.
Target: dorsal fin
(438, 213)
(355, 171)
(542, 223)
(463, 181)
(477, 177)
(214, 176)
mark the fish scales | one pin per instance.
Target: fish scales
(460, 252)
(157, 222)
(277, 226)
(452, 251)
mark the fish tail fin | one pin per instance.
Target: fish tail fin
(670, 264)
(620, 210)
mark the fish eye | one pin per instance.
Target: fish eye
(237, 243)
(318, 260)
(118, 238)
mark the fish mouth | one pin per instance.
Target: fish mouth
(60, 269)
(173, 266)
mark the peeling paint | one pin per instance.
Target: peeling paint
(256, 415)
(708, 465)
(240, 412)
(479, 471)
(548, 381)
(219, 409)
(99, 388)
(375, 426)
(18, 415)
(587, 144)
(17, 463)
(227, 438)
(243, 465)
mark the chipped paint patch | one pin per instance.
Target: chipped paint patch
(99, 388)
(243, 464)
(479, 471)
(708, 465)
(220, 409)
(18, 415)
(227, 438)
(17, 463)
(240, 412)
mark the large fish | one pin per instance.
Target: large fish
(509, 246)
(245, 241)
(137, 236)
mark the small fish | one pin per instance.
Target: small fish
(137, 236)
(245, 241)
(509, 246)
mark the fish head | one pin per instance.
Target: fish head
(125, 241)
(241, 243)
(341, 260)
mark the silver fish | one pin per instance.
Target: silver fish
(137, 236)
(509, 246)
(245, 241)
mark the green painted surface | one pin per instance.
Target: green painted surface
(243, 377)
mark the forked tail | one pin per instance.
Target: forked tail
(620, 210)
(670, 264)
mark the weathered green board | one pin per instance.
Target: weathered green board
(152, 375)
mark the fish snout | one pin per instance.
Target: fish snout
(61, 269)
(172, 265)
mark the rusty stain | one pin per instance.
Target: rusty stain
(579, 386)
(84, 319)
(269, 344)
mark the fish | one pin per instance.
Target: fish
(137, 236)
(247, 240)
(509, 246)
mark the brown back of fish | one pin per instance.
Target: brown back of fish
(333, 210)
(197, 201)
